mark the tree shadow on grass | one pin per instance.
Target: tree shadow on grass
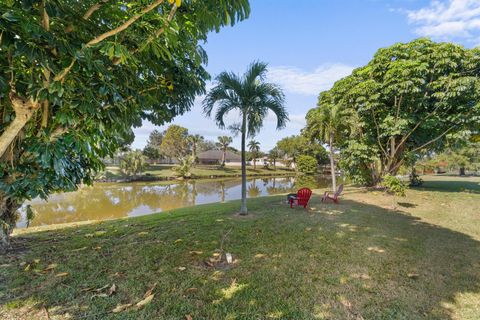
(422, 270)
(407, 204)
(451, 186)
(344, 261)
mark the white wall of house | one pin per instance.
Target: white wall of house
(233, 164)
(279, 164)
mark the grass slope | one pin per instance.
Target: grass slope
(357, 260)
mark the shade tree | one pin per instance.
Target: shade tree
(75, 76)
(175, 144)
(406, 100)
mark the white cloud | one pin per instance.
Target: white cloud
(448, 19)
(295, 120)
(295, 80)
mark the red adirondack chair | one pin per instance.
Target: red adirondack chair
(302, 198)
(335, 196)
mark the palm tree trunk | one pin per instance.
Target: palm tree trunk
(194, 154)
(243, 208)
(332, 163)
(224, 157)
(254, 164)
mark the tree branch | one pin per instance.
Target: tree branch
(93, 8)
(46, 71)
(24, 110)
(64, 72)
(157, 34)
(435, 139)
(378, 133)
(110, 33)
(125, 25)
(45, 17)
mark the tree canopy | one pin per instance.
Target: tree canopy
(152, 149)
(297, 145)
(175, 142)
(407, 99)
(75, 76)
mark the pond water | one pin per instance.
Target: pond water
(117, 200)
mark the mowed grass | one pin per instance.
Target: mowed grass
(360, 259)
(202, 171)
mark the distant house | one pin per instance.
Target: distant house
(215, 157)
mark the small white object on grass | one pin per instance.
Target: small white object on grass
(229, 258)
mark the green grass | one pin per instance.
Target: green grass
(202, 171)
(357, 260)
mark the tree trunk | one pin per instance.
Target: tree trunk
(194, 154)
(8, 209)
(462, 171)
(332, 164)
(254, 164)
(243, 208)
(24, 110)
(224, 157)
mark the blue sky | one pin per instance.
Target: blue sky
(309, 44)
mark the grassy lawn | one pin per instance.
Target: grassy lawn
(357, 260)
(202, 171)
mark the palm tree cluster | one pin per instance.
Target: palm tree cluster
(254, 148)
(194, 140)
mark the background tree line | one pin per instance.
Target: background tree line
(175, 142)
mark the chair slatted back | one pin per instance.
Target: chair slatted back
(303, 196)
(339, 191)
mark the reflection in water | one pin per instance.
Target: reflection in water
(116, 200)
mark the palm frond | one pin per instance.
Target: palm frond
(279, 110)
(257, 70)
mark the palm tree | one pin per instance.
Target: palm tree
(253, 98)
(223, 143)
(133, 162)
(194, 140)
(274, 154)
(254, 147)
(327, 123)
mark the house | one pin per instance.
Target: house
(215, 157)
(266, 161)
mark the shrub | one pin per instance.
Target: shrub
(394, 185)
(307, 164)
(133, 163)
(183, 169)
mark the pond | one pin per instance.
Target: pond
(117, 200)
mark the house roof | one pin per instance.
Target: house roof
(217, 155)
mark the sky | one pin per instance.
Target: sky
(310, 44)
